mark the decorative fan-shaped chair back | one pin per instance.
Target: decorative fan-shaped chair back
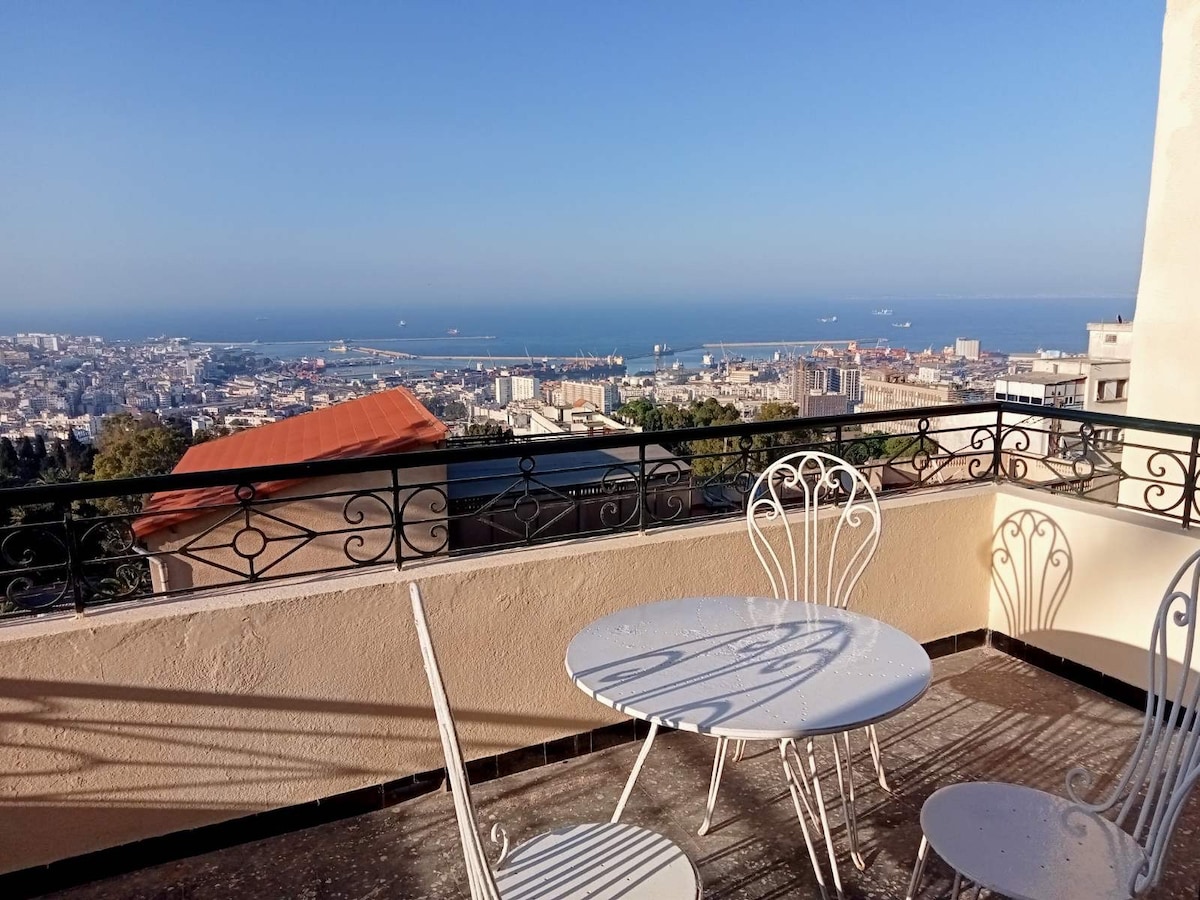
(808, 556)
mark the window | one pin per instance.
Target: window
(1110, 339)
(1113, 389)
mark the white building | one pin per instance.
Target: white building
(201, 423)
(1061, 391)
(966, 348)
(525, 387)
(503, 390)
(602, 396)
(1110, 340)
(846, 380)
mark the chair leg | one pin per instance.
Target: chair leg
(956, 888)
(637, 768)
(739, 750)
(877, 758)
(846, 786)
(914, 884)
(713, 784)
(801, 805)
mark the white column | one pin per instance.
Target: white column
(1163, 380)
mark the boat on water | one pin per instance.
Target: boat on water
(902, 324)
(828, 319)
(338, 347)
(881, 312)
(452, 332)
(401, 324)
(663, 350)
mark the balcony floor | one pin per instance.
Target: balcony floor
(987, 716)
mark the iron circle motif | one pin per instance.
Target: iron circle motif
(249, 537)
(244, 493)
(526, 509)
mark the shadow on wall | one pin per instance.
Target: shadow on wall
(85, 766)
(1031, 568)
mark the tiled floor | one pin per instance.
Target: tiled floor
(986, 716)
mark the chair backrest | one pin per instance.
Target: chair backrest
(479, 874)
(1165, 762)
(806, 559)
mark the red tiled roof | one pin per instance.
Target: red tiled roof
(387, 422)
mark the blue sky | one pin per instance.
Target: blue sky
(273, 154)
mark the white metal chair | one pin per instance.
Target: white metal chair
(818, 562)
(1020, 842)
(594, 861)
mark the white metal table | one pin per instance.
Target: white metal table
(752, 668)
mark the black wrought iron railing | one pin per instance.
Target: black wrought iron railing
(78, 545)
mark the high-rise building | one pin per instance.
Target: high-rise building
(966, 348)
(602, 396)
(524, 387)
(503, 390)
(846, 380)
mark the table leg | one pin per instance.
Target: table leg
(793, 787)
(877, 758)
(637, 768)
(807, 791)
(848, 811)
(819, 800)
(714, 784)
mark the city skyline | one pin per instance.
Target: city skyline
(224, 156)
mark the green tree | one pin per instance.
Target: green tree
(9, 464)
(491, 430)
(641, 412)
(130, 447)
(455, 409)
(79, 455)
(56, 462)
(28, 464)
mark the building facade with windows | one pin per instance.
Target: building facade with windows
(604, 396)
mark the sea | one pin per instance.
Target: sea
(491, 334)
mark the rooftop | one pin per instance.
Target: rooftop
(386, 422)
(987, 715)
(1040, 378)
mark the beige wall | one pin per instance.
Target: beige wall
(149, 719)
(321, 523)
(1088, 584)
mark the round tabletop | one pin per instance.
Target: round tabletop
(749, 668)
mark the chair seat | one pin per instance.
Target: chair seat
(1030, 845)
(598, 862)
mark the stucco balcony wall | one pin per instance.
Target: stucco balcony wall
(1082, 581)
(163, 716)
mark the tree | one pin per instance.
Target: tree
(641, 412)
(489, 430)
(79, 455)
(455, 409)
(130, 447)
(28, 463)
(56, 462)
(9, 464)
